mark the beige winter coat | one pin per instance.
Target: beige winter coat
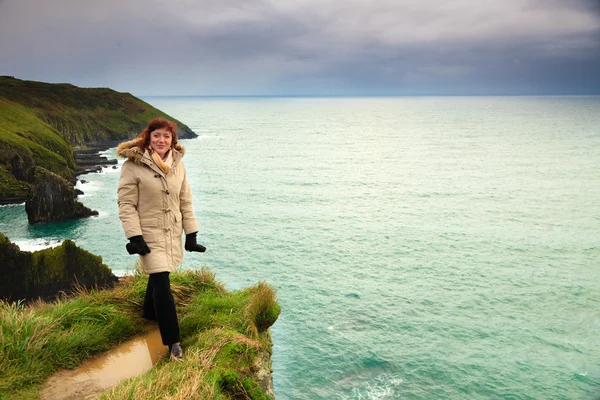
(155, 205)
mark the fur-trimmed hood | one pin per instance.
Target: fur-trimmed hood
(132, 150)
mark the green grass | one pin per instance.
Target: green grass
(25, 141)
(10, 187)
(85, 115)
(221, 343)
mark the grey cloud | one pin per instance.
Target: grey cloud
(237, 47)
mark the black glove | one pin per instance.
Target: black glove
(191, 245)
(137, 245)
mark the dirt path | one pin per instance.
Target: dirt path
(130, 359)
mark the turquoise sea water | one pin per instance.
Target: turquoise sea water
(422, 248)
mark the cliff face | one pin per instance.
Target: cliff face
(52, 198)
(44, 273)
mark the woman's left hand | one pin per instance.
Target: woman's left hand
(191, 245)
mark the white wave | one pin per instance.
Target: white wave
(103, 214)
(89, 186)
(12, 205)
(110, 153)
(37, 244)
(111, 170)
(382, 388)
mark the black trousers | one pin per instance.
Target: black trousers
(159, 305)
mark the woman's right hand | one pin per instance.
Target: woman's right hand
(137, 245)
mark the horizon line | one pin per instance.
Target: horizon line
(365, 95)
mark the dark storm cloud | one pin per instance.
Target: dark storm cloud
(592, 6)
(304, 47)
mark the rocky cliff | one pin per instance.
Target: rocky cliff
(43, 274)
(52, 198)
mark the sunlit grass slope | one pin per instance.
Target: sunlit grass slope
(85, 115)
(25, 140)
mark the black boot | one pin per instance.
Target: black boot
(175, 352)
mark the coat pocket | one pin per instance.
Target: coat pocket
(177, 225)
(177, 215)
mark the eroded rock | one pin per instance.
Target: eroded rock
(44, 273)
(52, 198)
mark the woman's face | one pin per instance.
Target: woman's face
(160, 141)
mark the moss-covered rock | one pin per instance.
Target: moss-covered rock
(45, 273)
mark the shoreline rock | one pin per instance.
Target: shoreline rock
(13, 200)
(46, 273)
(52, 198)
(91, 162)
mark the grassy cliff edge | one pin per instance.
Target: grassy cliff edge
(226, 339)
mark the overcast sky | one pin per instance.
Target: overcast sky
(304, 47)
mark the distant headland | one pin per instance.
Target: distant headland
(50, 131)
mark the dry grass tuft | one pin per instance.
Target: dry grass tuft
(185, 285)
(22, 330)
(262, 310)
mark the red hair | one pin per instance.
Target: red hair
(158, 123)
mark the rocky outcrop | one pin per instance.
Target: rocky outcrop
(90, 161)
(45, 273)
(52, 198)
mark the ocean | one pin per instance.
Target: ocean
(421, 247)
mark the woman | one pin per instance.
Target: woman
(155, 208)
